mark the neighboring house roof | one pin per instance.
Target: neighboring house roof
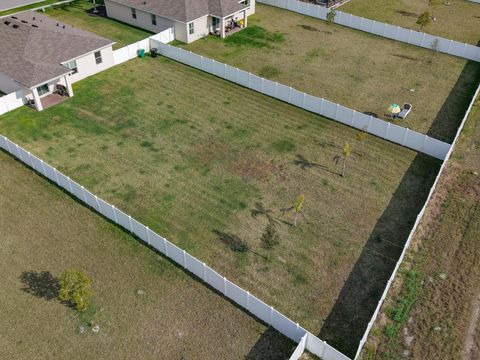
(185, 10)
(33, 46)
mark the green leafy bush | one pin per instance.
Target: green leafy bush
(76, 287)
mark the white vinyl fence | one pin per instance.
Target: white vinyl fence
(130, 51)
(299, 349)
(412, 233)
(337, 112)
(452, 47)
(11, 101)
(241, 297)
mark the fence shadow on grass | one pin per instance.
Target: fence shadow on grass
(271, 346)
(359, 296)
(450, 116)
(41, 284)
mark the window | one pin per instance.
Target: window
(43, 89)
(98, 57)
(245, 2)
(215, 22)
(72, 65)
(134, 13)
(191, 28)
(154, 19)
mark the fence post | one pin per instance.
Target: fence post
(98, 204)
(271, 316)
(184, 259)
(423, 143)
(387, 130)
(354, 112)
(114, 214)
(130, 222)
(275, 91)
(248, 300)
(148, 235)
(369, 123)
(224, 286)
(166, 248)
(84, 196)
(204, 272)
(321, 106)
(409, 36)
(405, 134)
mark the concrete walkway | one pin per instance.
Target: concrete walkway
(11, 4)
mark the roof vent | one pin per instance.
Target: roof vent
(63, 26)
(14, 17)
(7, 22)
(35, 26)
(58, 24)
(33, 18)
(24, 21)
(15, 26)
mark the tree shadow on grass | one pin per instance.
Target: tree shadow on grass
(232, 241)
(41, 284)
(271, 346)
(306, 164)
(359, 296)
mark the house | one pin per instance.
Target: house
(189, 19)
(42, 57)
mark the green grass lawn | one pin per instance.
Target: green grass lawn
(146, 306)
(28, 7)
(459, 20)
(355, 69)
(75, 14)
(207, 163)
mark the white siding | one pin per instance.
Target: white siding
(87, 66)
(144, 20)
(200, 27)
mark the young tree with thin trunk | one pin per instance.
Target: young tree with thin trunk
(361, 137)
(343, 157)
(297, 209)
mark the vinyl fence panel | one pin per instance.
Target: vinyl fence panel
(195, 266)
(236, 293)
(106, 210)
(214, 279)
(122, 219)
(156, 241)
(260, 309)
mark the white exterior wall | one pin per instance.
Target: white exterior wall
(144, 20)
(201, 27)
(8, 85)
(251, 8)
(87, 66)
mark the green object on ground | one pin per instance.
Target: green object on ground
(141, 53)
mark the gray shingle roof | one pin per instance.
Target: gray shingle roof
(33, 46)
(185, 10)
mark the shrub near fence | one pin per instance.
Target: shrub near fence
(417, 222)
(337, 112)
(452, 47)
(241, 297)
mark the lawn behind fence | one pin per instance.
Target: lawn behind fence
(208, 164)
(146, 306)
(350, 67)
(458, 20)
(75, 14)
